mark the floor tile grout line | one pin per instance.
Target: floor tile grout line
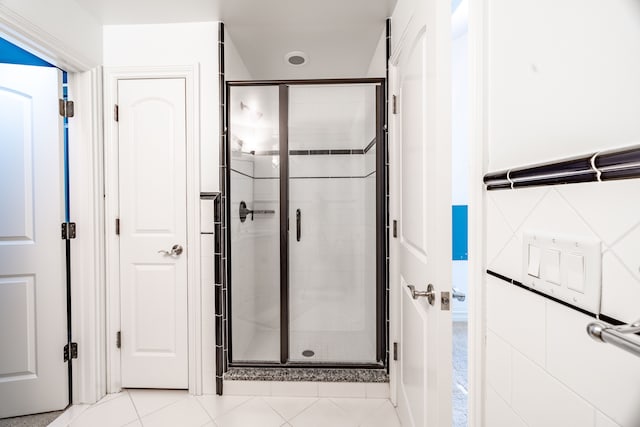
(135, 408)
(205, 410)
(375, 408)
(233, 408)
(158, 409)
(315, 399)
(236, 407)
(273, 409)
(109, 397)
(318, 400)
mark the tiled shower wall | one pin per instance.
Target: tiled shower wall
(335, 256)
(542, 367)
(561, 85)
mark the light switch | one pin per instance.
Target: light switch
(566, 267)
(533, 268)
(575, 271)
(551, 266)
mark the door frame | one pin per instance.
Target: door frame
(112, 254)
(477, 148)
(478, 162)
(86, 176)
(381, 213)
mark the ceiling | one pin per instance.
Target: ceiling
(339, 36)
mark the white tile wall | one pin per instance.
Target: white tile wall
(518, 317)
(546, 105)
(206, 216)
(604, 375)
(499, 413)
(552, 210)
(499, 366)
(327, 266)
(555, 363)
(598, 213)
(208, 326)
(330, 165)
(621, 287)
(342, 390)
(267, 167)
(603, 421)
(307, 389)
(542, 401)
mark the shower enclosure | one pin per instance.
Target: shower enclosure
(306, 216)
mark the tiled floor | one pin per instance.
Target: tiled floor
(460, 373)
(158, 408)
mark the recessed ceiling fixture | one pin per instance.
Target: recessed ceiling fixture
(296, 58)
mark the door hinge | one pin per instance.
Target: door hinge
(66, 108)
(115, 112)
(394, 104)
(68, 230)
(117, 226)
(118, 339)
(395, 228)
(395, 351)
(70, 351)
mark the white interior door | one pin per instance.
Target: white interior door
(33, 316)
(153, 233)
(422, 205)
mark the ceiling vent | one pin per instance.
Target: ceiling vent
(296, 58)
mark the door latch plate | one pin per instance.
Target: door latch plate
(445, 301)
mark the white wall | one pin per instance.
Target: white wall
(234, 66)
(77, 34)
(176, 44)
(182, 44)
(562, 81)
(377, 66)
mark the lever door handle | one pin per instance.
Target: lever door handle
(175, 251)
(429, 294)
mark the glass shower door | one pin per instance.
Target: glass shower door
(332, 223)
(254, 179)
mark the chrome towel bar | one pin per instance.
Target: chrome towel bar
(621, 336)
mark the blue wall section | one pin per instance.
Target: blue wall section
(12, 54)
(459, 214)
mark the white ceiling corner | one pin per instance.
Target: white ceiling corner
(339, 36)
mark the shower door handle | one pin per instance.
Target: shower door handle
(298, 224)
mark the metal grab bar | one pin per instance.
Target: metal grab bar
(621, 336)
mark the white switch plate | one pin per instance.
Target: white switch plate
(581, 290)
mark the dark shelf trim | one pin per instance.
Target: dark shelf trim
(622, 163)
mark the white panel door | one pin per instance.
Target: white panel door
(422, 205)
(33, 316)
(153, 277)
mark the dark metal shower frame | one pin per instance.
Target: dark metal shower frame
(381, 222)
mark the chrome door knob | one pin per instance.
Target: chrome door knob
(175, 251)
(429, 294)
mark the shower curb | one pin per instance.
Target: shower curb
(308, 375)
